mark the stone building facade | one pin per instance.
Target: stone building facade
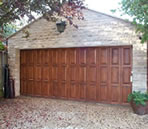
(96, 30)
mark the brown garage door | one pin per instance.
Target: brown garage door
(99, 74)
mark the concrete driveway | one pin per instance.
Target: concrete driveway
(43, 113)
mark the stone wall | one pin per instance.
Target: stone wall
(96, 30)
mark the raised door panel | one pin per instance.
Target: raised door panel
(92, 75)
(55, 89)
(63, 57)
(30, 73)
(115, 94)
(115, 56)
(125, 92)
(45, 81)
(73, 82)
(30, 80)
(55, 57)
(91, 92)
(92, 56)
(55, 73)
(115, 85)
(37, 88)
(126, 75)
(63, 92)
(30, 57)
(63, 81)
(103, 93)
(82, 75)
(103, 75)
(46, 57)
(29, 87)
(104, 56)
(38, 57)
(23, 58)
(23, 87)
(73, 74)
(115, 76)
(82, 56)
(63, 74)
(74, 91)
(23, 72)
(46, 73)
(126, 56)
(38, 73)
(45, 88)
(82, 91)
(72, 56)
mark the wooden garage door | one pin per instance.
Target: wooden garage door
(99, 74)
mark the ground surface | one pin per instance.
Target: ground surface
(42, 113)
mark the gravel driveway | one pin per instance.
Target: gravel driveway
(43, 113)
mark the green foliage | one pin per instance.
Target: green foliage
(1, 2)
(9, 29)
(138, 98)
(1, 46)
(12, 10)
(138, 10)
(113, 10)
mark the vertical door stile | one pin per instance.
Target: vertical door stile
(98, 75)
(59, 73)
(41, 68)
(33, 88)
(77, 74)
(109, 75)
(121, 82)
(132, 68)
(51, 73)
(121, 71)
(68, 79)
